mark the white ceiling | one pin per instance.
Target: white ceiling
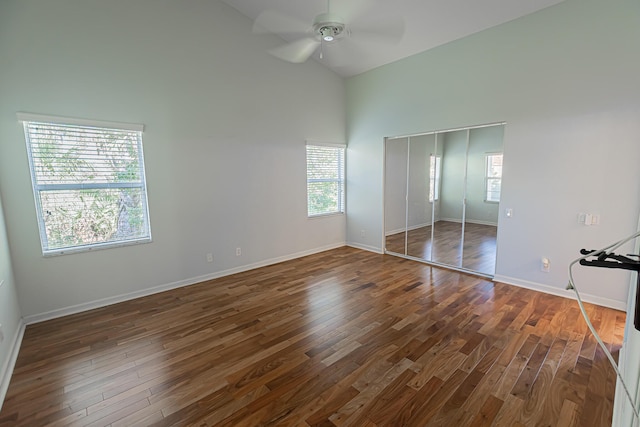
(427, 24)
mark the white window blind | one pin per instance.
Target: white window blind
(89, 185)
(325, 179)
(493, 177)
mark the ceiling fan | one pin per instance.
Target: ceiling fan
(332, 33)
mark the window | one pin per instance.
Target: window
(434, 178)
(325, 179)
(493, 177)
(88, 183)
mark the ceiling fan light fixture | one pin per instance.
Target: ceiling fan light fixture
(328, 27)
(327, 34)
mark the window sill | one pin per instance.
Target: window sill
(325, 215)
(94, 247)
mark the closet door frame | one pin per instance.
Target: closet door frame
(436, 134)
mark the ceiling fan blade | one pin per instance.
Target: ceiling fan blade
(296, 52)
(274, 22)
(387, 30)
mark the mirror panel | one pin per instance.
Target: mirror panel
(447, 234)
(395, 194)
(419, 205)
(484, 179)
(442, 194)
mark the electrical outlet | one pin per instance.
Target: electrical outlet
(1, 333)
(545, 265)
(238, 251)
(209, 257)
(363, 233)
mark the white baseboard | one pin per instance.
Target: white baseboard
(53, 314)
(473, 221)
(392, 232)
(561, 292)
(401, 230)
(10, 363)
(470, 221)
(365, 247)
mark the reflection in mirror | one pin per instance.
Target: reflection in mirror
(395, 194)
(484, 181)
(419, 214)
(447, 233)
(442, 191)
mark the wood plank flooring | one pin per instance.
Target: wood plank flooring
(341, 338)
(476, 252)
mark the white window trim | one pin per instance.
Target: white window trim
(437, 177)
(310, 142)
(24, 118)
(74, 121)
(487, 178)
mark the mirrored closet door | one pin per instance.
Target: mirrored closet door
(442, 194)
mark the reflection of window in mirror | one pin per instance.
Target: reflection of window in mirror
(493, 177)
(434, 178)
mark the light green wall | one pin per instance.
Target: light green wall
(565, 80)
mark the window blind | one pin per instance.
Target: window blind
(89, 185)
(325, 179)
(493, 177)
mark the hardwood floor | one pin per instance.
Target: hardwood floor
(344, 338)
(477, 252)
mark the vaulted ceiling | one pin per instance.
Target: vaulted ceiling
(412, 26)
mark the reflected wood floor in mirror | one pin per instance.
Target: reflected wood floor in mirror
(341, 338)
(478, 252)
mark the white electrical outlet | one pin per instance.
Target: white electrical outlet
(588, 219)
(238, 251)
(581, 217)
(363, 233)
(1, 333)
(545, 265)
(209, 257)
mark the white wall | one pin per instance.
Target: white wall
(10, 314)
(565, 80)
(225, 130)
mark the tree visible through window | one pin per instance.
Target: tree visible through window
(493, 177)
(325, 179)
(89, 185)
